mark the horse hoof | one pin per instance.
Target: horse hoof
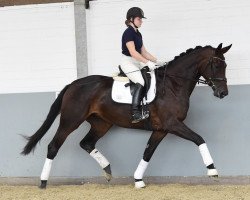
(108, 177)
(212, 172)
(43, 185)
(108, 174)
(139, 184)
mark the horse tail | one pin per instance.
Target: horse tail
(54, 111)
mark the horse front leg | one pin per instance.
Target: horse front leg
(154, 140)
(180, 129)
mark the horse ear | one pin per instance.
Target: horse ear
(225, 49)
(219, 47)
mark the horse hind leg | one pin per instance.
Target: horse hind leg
(98, 129)
(67, 125)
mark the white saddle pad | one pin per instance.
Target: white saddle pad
(121, 94)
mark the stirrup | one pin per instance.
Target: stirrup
(137, 117)
(145, 114)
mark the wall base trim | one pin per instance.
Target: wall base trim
(191, 180)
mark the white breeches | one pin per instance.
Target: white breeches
(131, 68)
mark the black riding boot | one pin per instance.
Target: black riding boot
(136, 112)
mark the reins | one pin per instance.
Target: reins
(208, 81)
(181, 77)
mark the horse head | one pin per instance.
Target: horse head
(213, 69)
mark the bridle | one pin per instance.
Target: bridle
(210, 81)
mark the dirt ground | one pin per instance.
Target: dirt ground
(128, 192)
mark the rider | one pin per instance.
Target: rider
(135, 57)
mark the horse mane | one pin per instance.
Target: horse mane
(176, 58)
(188, 51)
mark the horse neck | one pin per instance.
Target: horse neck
(185, 72)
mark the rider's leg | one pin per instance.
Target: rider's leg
(136, 100)
(132, 69)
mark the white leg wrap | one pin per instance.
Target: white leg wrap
(207, 159)
(140, 169)
(46, 169)
(103, 162)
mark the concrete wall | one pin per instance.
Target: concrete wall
(38, 47)
(224, 124)
(171, 28)
(27, 2)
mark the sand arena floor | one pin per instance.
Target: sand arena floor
(127, 192)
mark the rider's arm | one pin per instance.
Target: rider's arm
(135, 54)
(147, 55)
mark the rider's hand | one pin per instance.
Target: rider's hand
(161, 63)
(152, 66)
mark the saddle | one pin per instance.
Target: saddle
(147, 80)
(123, 88)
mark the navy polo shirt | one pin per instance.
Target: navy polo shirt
(131, 35)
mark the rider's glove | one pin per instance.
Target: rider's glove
(161, 63)
(152, 66)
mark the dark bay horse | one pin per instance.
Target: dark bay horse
(89, 99)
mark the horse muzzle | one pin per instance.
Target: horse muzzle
(220, 93)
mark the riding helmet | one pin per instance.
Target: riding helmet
(135, 12)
